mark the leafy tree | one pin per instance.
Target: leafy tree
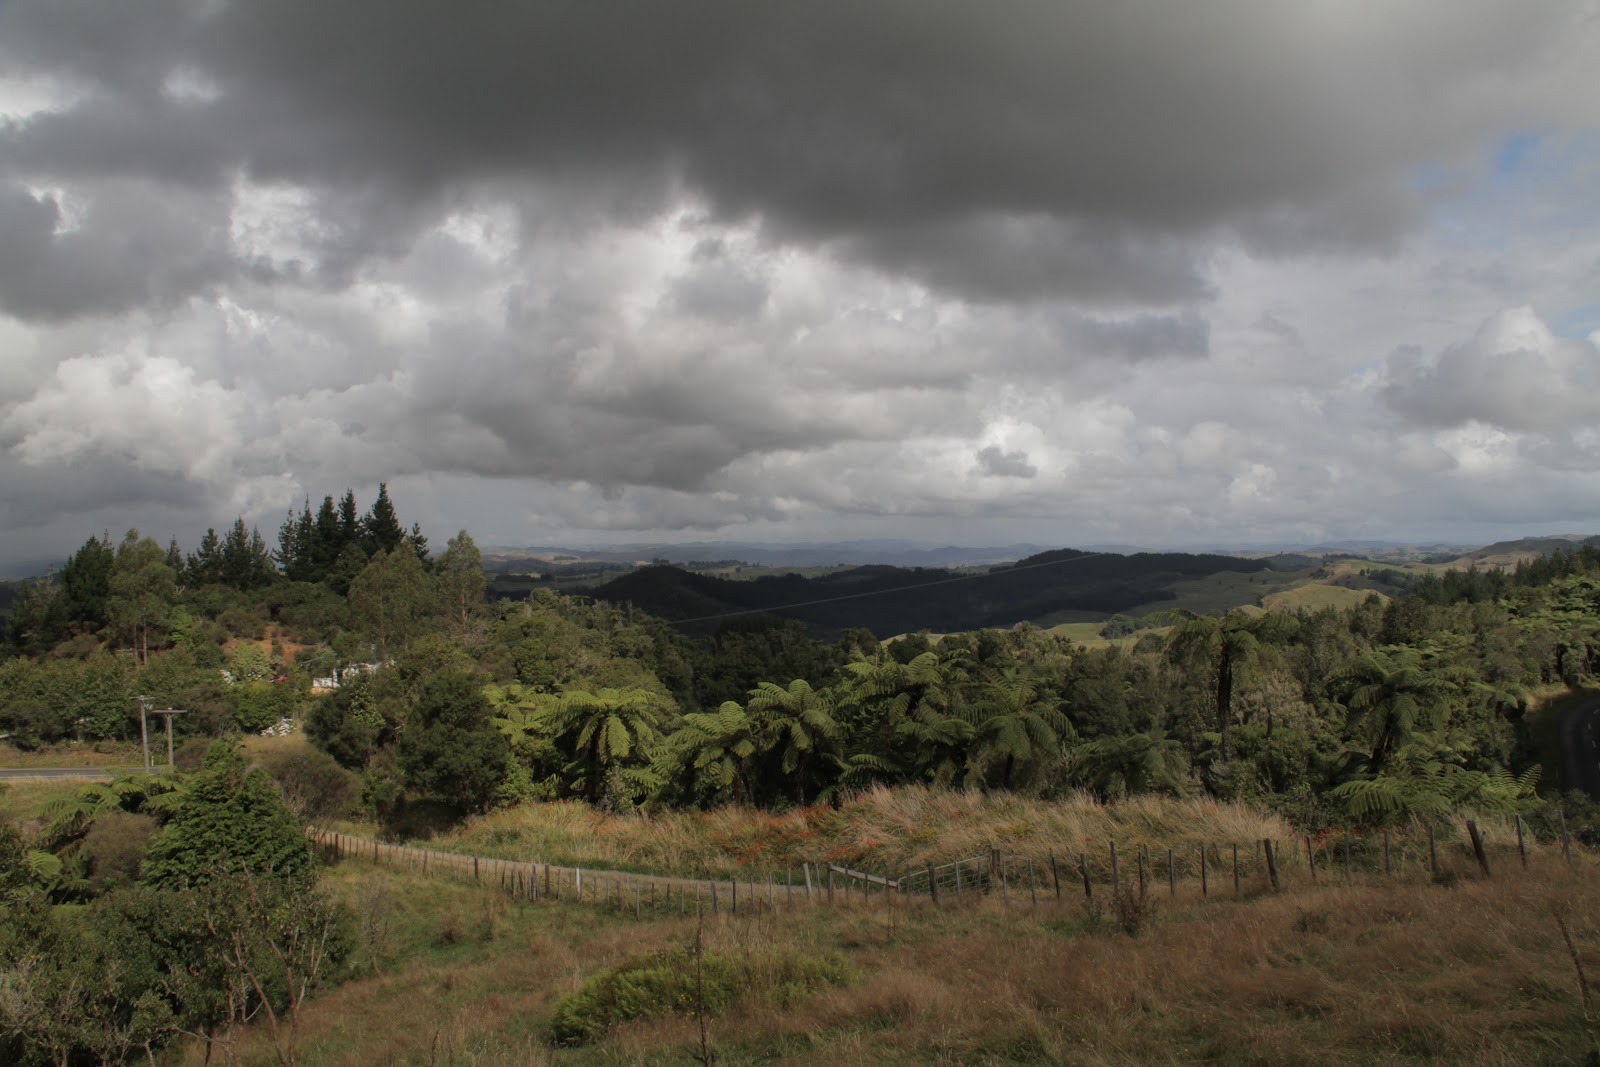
(143, 589)
(1134, 763)
(1226, 646)
(348, 724)
(606, 729)
(37, 620)
(1016, 728)
(231, 818)
(718, 748)
(450, 748)
(1392, 698)
(461, 577)
(795, 723)
(392, 599)
(907, 719)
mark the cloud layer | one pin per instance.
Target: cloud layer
(1056, 271)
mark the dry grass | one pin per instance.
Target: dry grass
(98, 755)
(24, 801)
(1390, 973)
(882, 830)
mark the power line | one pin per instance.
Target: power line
(884, 592)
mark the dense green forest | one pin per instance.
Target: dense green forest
(1365, 713)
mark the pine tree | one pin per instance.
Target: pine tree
(294, 545)
(349, 519)
(86, 583)
(419, 543)
(204, 566)
(381, 527)
(326, 540)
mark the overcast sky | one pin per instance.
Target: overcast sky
(563, 272)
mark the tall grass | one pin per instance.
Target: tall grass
(1370, 973)
(882, 830)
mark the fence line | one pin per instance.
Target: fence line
(1218, 869)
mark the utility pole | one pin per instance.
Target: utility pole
(144, 729)
(168, 714)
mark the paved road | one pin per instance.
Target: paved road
(1578, 745)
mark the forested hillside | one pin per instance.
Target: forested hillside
(1381, 709)
(896, 600)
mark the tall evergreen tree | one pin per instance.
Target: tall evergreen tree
(349, 518)
(327, 543)
(418, 543)
(86, 583)
(205, 563)
(294, 544)
(381, 527)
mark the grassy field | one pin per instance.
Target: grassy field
(1469, 972)
(882, 831)
(99, 754)
(1087, 634)
(1315, 596)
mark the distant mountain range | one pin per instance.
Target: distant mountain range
(892, 553)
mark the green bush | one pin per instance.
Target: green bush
(666, 983)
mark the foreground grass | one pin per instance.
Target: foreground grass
(100, 754)
(1397, 973)
(882, 830)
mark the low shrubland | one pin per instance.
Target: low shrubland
(1474, 972)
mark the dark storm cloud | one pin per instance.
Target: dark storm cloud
(1004, 151)
(132, 247)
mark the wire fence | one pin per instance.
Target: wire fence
(1502, 848)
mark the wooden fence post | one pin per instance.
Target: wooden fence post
(1055, 875)
(1433, 854)
(933, 884)
(1566, 838)
(1114, 879)
(1205, 888)
(1272, 860)
(1172, 876)
(806, 868)
(1477, 847)
(1088, 886)
(1235, 870)
(1033, 889)
(1522, 848)
(1386, 852)
(1311, 860)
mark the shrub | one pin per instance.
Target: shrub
(314, 786)
(667, 983)
(1133, 909)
